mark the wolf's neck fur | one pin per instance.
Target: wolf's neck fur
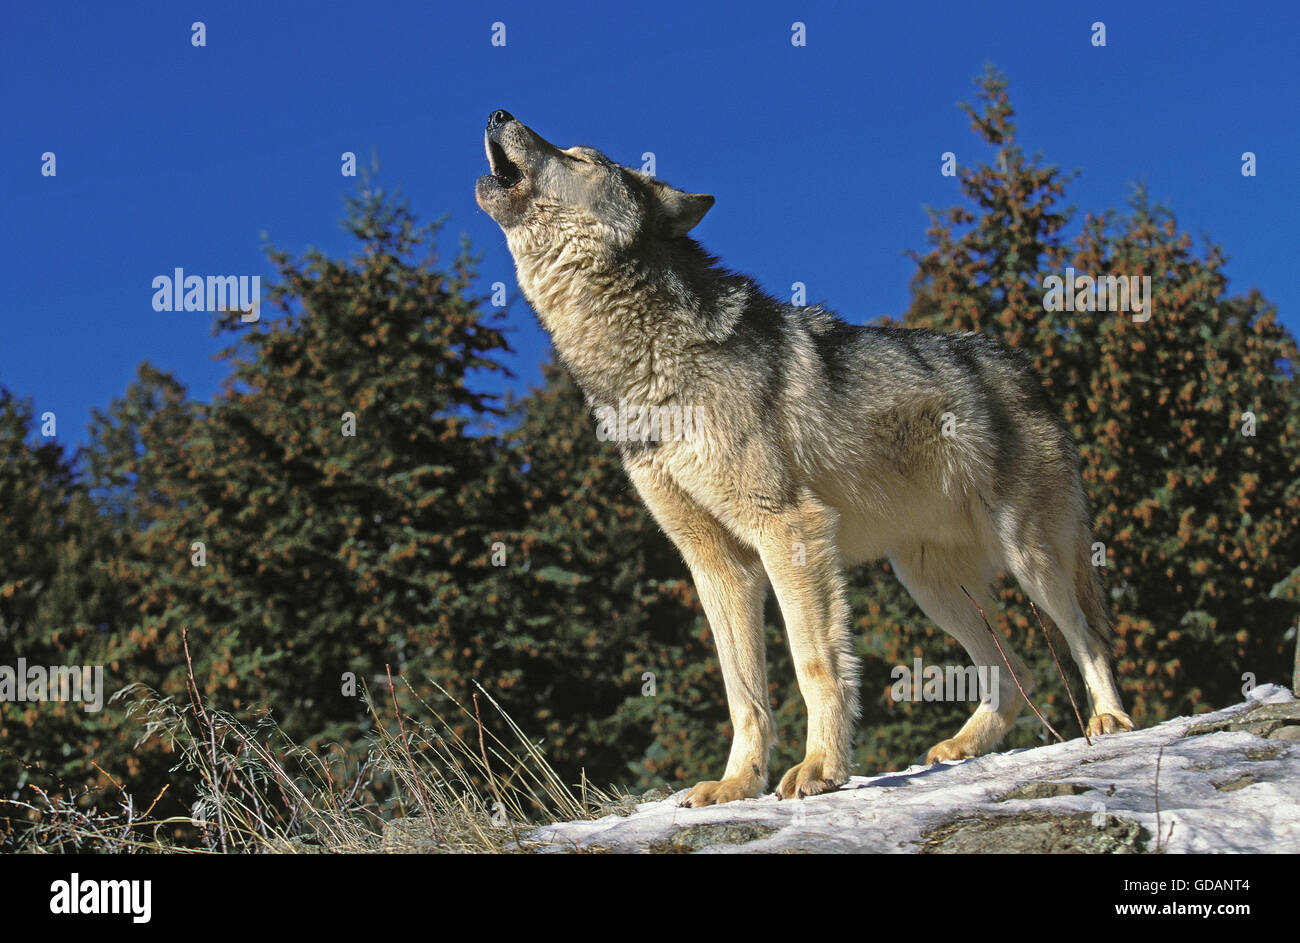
(630, 327)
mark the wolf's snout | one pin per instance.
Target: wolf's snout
(506, 171)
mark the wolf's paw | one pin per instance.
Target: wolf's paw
(954, 748)
(716, 792)
(1099, 724)
(809, 778)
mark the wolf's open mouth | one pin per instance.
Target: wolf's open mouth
(507, 174)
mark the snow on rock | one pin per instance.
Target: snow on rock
(1229, 782)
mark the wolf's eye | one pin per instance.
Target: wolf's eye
(589, 165)
(587, 157)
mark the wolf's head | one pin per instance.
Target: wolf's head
(543, 196)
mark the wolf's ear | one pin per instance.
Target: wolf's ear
(679, 210)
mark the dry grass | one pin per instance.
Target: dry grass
(260, 792)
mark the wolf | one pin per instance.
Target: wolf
(817, 444)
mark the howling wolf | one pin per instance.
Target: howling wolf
(816, 444)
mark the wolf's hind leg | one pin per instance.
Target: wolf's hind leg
(935, 577)
(1062, 582)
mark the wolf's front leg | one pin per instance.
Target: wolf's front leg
(731, 584)
(803, 562)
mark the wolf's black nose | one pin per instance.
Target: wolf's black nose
(498, 118)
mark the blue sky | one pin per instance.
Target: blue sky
(821, 158)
